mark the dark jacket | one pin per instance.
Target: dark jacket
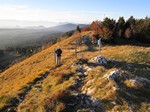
(58, 52)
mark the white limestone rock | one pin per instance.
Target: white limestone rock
(112, 75)
(99, 60)
(116, 75)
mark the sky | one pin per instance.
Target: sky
(75, 11)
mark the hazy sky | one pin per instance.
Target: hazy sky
(77, 11)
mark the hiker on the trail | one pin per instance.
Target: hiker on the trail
(58, 55)
(99, 42)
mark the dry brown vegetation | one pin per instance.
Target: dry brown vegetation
(49, 94)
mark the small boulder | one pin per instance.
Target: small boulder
(99, 60)
(95, 102)
(87, 102)
(85, 110)
(140, 82)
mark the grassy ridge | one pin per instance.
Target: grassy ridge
(56, 85)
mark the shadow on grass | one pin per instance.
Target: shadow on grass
(74, 103)
(133, 97)
(91, 49)
(141, 70)
(64, 78)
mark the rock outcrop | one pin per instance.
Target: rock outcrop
(116, 75)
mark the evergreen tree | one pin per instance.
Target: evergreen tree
(109, 23)
(78, 29)
(119, 30)
(131, 21)
(142, 30)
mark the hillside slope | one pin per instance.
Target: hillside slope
(36, 85)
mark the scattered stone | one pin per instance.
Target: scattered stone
(79, 74)
(90, 91)
(84, 99)
(111, 59)
(12, 109)
(130, 107)
(114, 103)
(85, 110)
(75, 94)
(87, 68)
(115, 87)
(80, 69)
(73, 65)
(85, 73)
(95, 102)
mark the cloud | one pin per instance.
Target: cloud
(21, 13)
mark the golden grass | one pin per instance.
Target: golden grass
(21, 73)
(50, 90)
(17, 76)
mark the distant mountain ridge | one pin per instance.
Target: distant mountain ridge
(22, 24)
(17, 36)
(11, 24)
(67, 27)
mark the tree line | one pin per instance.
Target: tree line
(111, 30)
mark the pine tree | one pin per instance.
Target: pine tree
(78, 29)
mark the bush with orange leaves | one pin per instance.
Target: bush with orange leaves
(105, 34)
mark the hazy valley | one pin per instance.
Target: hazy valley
(18, 43)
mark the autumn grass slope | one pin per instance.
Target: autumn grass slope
(49, 94)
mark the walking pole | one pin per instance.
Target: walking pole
(76, 49)
(54, 55)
